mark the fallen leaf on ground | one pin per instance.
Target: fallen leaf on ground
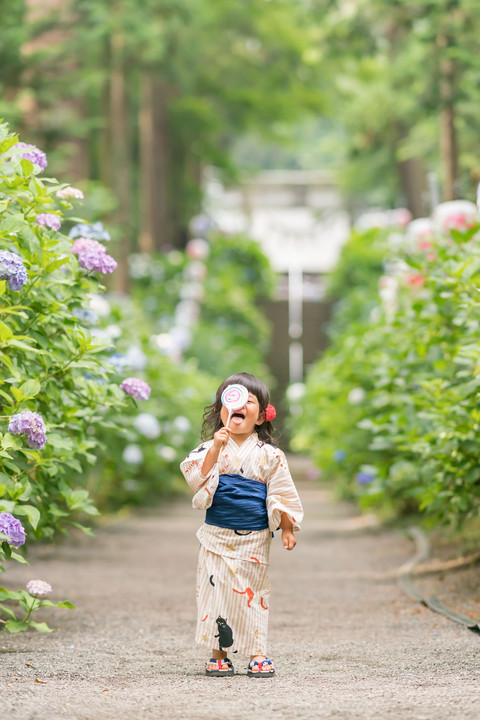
(44, 682)
(28, 665)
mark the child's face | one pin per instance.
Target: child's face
(244, 421)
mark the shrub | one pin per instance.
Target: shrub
(52, 367)
(393, 404)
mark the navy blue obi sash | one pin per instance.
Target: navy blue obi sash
(239, 503)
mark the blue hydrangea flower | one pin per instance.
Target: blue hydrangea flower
(118, 361)
(13, 269)
(96, 231)
(364, 478)
(30, 423)
(12, 529)
(94, 378)
(86, 316)
(339, 455)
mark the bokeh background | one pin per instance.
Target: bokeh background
(259, 171)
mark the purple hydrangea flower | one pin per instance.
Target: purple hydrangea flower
(364, 478)
(30, 423)
(13, 529)
(97, 260)
(96, 231)
(82, 244)
(38, 587)
(49, 220)
(33, 154)
(138, 389)
(70, 193)
(12, 268)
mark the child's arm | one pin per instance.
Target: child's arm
(220, 439)
(288, 538)
(283, 504)
(203, 486)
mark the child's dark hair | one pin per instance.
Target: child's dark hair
(211, 416)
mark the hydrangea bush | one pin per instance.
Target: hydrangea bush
(100, 400)
(412, 440)
(56, 391)
(52, 410)
(162, 417)
(232, 331)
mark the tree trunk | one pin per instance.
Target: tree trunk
(448, 136)
(146, 240)
(120, 160)
(413, 181)
(179, 189)
(162, 226)
(104, 137)
(448, 152)
(78, 165)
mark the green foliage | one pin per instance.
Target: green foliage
(139, 463)
(218, 69)
(397, 393)
(388, 70)
(50, 362)
(29, 604)
(360, 264)
(65, 348)
(353, 283)
(232, 333)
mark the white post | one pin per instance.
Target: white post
(295, 322)
(434, 190)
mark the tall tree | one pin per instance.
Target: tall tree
(402, 69)
(188, 76)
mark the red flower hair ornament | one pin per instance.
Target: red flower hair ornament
(270, 413)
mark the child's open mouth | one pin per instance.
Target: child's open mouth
(237, 418)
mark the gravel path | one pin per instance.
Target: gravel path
(345, 641)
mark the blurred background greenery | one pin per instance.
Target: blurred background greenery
(135, 99)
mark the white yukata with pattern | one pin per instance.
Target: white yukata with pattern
(232, 573)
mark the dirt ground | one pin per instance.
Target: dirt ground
(346, 642)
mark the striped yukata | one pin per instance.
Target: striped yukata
(232, 573)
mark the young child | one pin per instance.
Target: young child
(243, 482)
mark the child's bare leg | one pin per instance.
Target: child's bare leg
(219, 654)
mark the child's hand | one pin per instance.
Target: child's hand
(220, 438)
(288, 538)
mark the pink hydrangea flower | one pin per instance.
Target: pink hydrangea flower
(137, 388)
(49, 220)
(97, 261)
(415, 280)
(92, 255)
(459, 221)
(38, 587)
(82, 244)
(70, 193)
